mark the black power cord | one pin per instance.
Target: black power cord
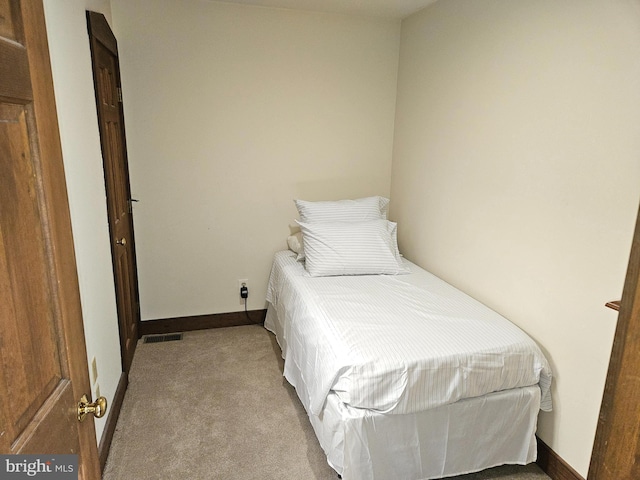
(244, 293)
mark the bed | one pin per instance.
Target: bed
(402, 375)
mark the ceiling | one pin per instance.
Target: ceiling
(377, 8)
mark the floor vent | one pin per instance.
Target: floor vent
(170, 337)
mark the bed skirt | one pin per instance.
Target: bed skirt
(464, 437)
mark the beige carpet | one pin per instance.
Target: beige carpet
(215, 406)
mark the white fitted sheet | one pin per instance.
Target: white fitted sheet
(396, 344)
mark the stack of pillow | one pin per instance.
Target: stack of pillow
(347, 237)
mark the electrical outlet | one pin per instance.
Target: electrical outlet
(243, 286)
(94, 370)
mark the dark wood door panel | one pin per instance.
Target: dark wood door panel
(30, 354)
(43, 364)
(14, 70)
(616, 451)
(11, 21)
(106, 75)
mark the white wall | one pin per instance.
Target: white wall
(77, 117)
(515, 175)
(231, 113)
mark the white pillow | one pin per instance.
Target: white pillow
(341, 248)
(294, 242)
(359, 210)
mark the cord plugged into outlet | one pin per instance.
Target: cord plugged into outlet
(243, 287)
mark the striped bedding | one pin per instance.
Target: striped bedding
(397, 343)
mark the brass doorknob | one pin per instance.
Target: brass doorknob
(98, 408)
(122, 241)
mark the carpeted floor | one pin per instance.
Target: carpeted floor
(214, 405)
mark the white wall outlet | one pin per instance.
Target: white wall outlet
(94, 370)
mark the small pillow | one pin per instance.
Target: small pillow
(294, 242)
(341, 248)
(359, 210)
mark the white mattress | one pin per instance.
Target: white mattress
(396, 344)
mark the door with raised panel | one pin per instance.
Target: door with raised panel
(42, 347)
(106, 78)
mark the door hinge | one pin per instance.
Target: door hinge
(119, 94)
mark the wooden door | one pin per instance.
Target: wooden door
(42, 348)
(106, 76)
(616, 451)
